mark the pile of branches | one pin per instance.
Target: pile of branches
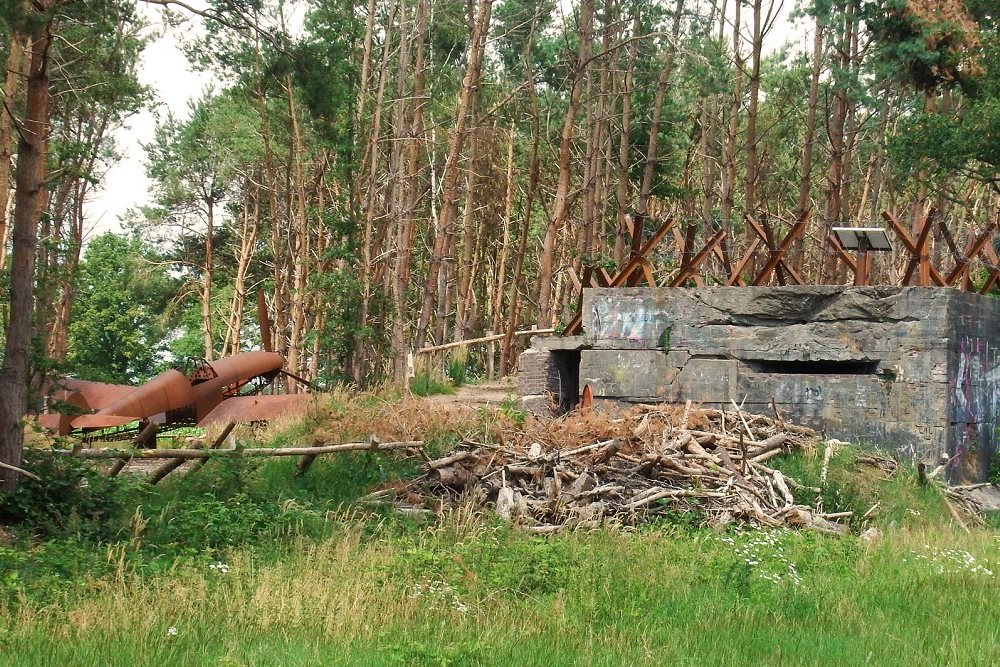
(586, 470)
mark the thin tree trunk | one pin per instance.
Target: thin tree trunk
(560, 211)
(624, 191)
(729, 150)
(654, 127)
(456, 141)
(805, 168)
(753, 160)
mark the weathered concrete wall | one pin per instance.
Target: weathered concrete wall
(914, 370)
(974, 382)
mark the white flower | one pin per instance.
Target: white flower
(171, 631)
(219, 567)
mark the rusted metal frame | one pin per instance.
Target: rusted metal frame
(920, 260)
(636, 229)
(688, 270)
(721, 252)
(863, 268)
(778, 253)
(735, 277)
(843, 254)
(911, 247)
(630, 266)
(647, 273)
(949, 239)
(777, 256)
(972, 250)
(684, 244)
(265, 322)
(994, 266)
(779, 274)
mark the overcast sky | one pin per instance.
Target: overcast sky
(163, 68)
(174, 83)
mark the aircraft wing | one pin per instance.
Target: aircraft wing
(96, 395)
(245, 409)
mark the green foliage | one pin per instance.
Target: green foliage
(427, 384)
(71, 499)
(117, 330)
(993, 470)
(511, 409)
(458, 368)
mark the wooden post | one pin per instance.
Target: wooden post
(215, 445)
(491, 350)
(147, 434)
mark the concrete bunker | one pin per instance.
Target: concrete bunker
(915, 371)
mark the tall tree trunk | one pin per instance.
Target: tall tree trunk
(753, 160)
(624, 191)
(463, 321)
(456, 141)
(12, 84)
(560, 211)
(29, 197)
(534, 168)
(207, 270)
(508, 209)
(404, 255)
(662, 84)
(809, 141)
(728, 195)
(366, 269)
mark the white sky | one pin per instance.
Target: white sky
(174, 83)
(164, 68)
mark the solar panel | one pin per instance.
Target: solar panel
(873, 238)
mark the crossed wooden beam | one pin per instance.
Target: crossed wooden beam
(920, 259)
(920, 269)
(638, 269)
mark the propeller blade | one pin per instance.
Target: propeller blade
(264, 321)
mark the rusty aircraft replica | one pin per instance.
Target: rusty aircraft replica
(222, 391)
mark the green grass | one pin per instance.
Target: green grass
(425, 384)
(102, 572)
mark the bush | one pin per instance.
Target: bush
(70, 498)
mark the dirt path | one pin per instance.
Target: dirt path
(485, 393)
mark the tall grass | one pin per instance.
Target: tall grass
(247, 564)
(490, 596)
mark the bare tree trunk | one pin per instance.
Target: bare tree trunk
(29, 197)
(207, 271)
(12, 84)
(514, 298)
(729, 150)
(366, 268)
(404, 255)
(560, 211)
(654, 127)
(753, 160)
(809, 141)
(508, 210)
(463, 322)
(624, 192)
(456, 141)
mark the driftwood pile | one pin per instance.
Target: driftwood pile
(591, 469)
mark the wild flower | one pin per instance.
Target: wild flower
(764, 553)
(439, 593)
(951, 561)
(172, 631)
(219, 567)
